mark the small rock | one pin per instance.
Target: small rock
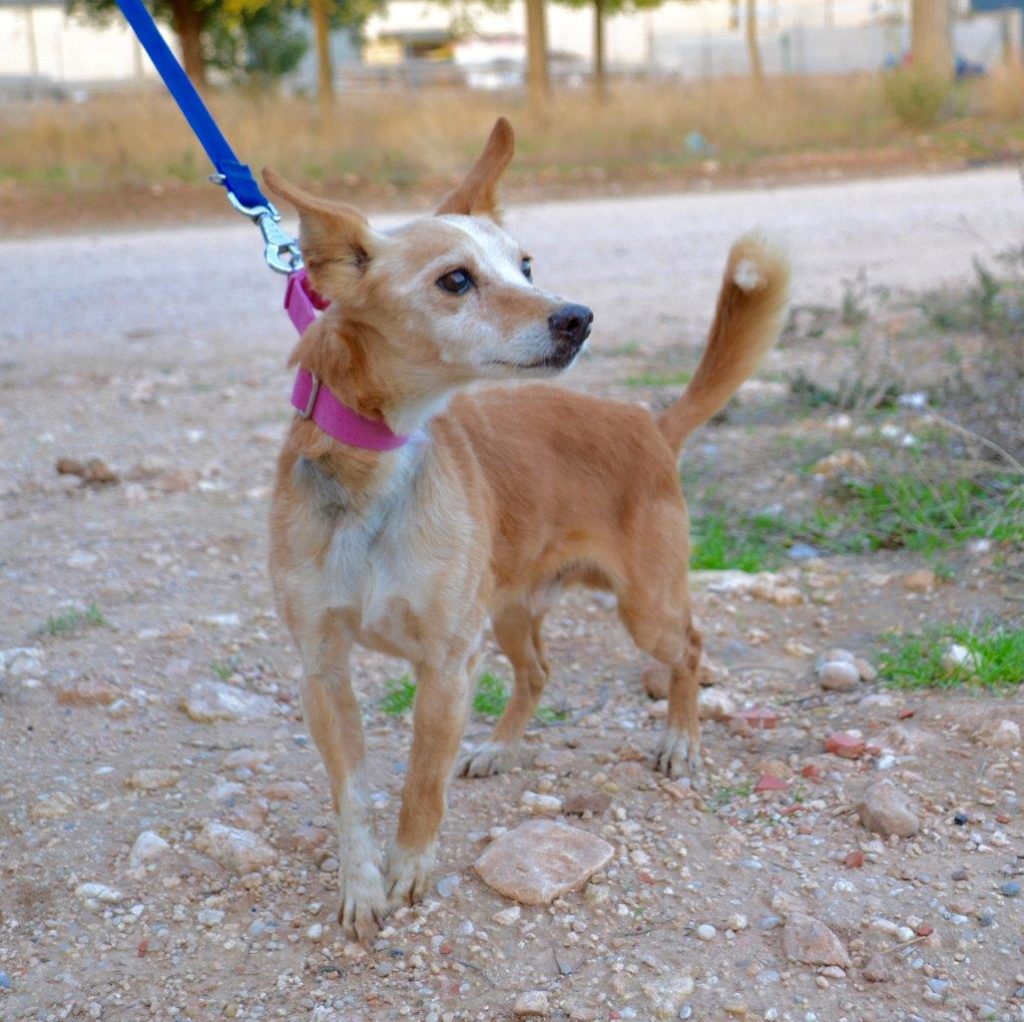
(52, 806)
(761, 718)
(769, 782)
(209, 701)
(88, 693)
(1010, 889)
(957, 659)
(315, 932)
(542, 859)
(149, 846)
(286, 791)
(152, 779)
(843, 462)
(210, 917)
(306, 838)
(706, 932)
(596, 802)
(847, 744)
(715, 704)
(920, 581)
(885, 810)
(548, 805)
(737, 922)
(809, 941)
(532, 1004)
(98, 893)
(838, 676)
(250, 759)
(448, 885)
(876, 970)
(508, 916)
(554, 759)
(240, 851)
(21, 661)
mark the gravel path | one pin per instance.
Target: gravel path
(147, 692)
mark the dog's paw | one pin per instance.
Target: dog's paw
(486, 759)
(364, 902)
(408, 877)
(679, 756)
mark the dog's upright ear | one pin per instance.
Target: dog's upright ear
(337, 241)
(475, 196)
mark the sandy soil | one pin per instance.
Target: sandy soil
(162, 353)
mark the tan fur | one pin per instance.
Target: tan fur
(503, 498)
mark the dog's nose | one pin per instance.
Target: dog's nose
(571, 323)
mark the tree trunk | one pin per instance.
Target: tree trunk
(753, 47)
(188, 27)
(324, 65)
(538, 85)
(929, 38)
(600, 77)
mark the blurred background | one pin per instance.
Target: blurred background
(384, 97)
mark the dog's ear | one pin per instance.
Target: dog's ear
(476, 196)
(336, 240)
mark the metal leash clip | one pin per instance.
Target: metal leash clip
(281, 250)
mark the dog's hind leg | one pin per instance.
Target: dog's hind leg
(654, 605)
(439, 720)
(334, 722)
(518, 632)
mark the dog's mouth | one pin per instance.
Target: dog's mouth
(556, 360)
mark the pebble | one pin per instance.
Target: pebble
(1004, 734)
(88, 693)
(210, 701)
(531, 1004)
(847, 744)
(1010, 889)
(876, 970)
(98, 893)
(149, 846)
(448, 885)
(885, 810)
(921, 581)
(5, 981)
(956, 659)
(508, 916)
(838, 676)
(541, 860)
(315, 932)
(151, 779)
(210, 917)
(596, 802)
(548, 805)
(240, 851)
(809, 941)
(706, 932)
(715, 704)
(737, 922)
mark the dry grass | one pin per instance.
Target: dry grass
(140, 139)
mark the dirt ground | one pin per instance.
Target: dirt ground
(162, 352)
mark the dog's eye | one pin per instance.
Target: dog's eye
(458, 282)
(527, 267)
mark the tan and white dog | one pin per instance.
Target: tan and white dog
(500, 499)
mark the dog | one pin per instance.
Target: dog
(475, 506)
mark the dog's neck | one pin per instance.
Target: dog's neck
(356, 365)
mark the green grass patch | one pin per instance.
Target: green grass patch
(723, 796)
(889, 512)
(489, 700)
(225, 668)
(399, 695)
(73, 621)
(994, 659)
(676, 379)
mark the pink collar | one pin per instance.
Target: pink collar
(317, 402)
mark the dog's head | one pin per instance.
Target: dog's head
(450, 296)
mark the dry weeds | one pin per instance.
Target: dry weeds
(401, 140)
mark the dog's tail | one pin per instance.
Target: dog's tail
(748, 319)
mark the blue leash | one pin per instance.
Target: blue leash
(281, 250)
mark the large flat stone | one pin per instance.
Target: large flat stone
(541, 860)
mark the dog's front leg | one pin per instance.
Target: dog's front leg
(439, 720)
(334, 722)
